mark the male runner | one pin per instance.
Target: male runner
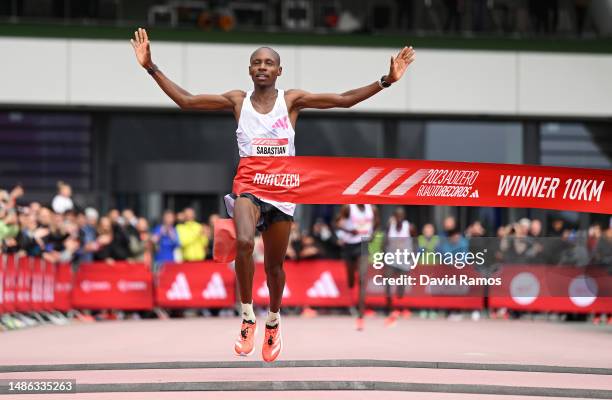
(266, 119)
(355, 225)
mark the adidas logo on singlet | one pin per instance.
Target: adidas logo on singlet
(281, 123)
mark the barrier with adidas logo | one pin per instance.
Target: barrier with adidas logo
(316, 283)
(195, 284)
(29, 284)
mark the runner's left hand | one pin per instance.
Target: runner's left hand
(400, 63)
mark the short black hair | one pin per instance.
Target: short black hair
(274, 53)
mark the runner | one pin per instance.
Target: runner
(399, 238)
(355, 225)
(266, 118)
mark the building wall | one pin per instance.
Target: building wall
(91, 73)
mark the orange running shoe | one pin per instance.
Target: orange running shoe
(273, 343)
(245, 344)
(359, 324)
(309, 312)
(391, 320)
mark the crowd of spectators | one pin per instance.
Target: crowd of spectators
(521, 242)
(63, 232)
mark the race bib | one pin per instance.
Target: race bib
(270, 147)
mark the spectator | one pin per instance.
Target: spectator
(166, 239)
(115, 217)
(325, 239)
(110, 247)
(62, 201)
(121, 236)
(449, 225)
(192, 238)
(537, 242)
(88, 222)
(557, 227)
(575, 251)
(9, 229)
(30, 239)
(428, 243)
(593, 236)
(309, 249)
(603, 250)
(140, 244)
(518, 244)
(555, 245)
(452, 241)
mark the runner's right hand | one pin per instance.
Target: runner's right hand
(141, 46)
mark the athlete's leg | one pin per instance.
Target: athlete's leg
(351, 270)
(388, 273)
(246, 215)
(276, 240)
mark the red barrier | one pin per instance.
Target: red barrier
(10, 283)
(424, 294)
(24, 281)
(48, 286)
(2, 263)
(551, 288)
(37, 285)
(317, 283)
(195, 284)
(63, 287)
(28, 284)
(121, 286)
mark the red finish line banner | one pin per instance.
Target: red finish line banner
(340, 180)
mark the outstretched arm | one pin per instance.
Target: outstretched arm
(180, 96)
(398, 65)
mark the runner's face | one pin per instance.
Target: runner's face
(264, 68)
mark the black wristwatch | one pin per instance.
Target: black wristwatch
(383, 83)
(152, 69)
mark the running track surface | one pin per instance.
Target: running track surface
(464, 360)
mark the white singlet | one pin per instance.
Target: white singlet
(404, 231)
(265, 135)
(361, 221)
(399, 240)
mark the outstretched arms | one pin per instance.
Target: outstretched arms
(398, 65)
(180, 96)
